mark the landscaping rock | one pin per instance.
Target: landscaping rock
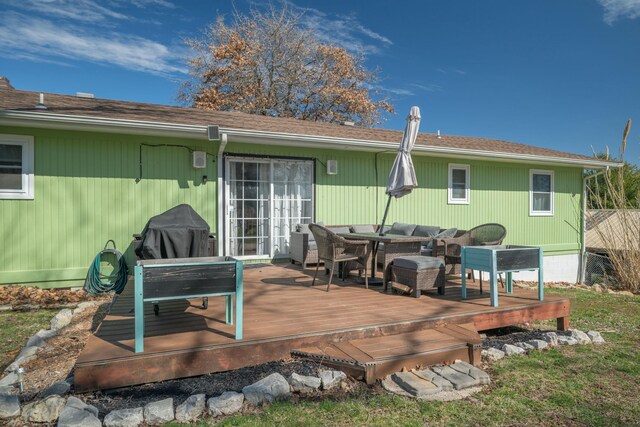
(273, 387)
(159, 412)
(525, 346)
(62, 319)
(43, 411)
(38, 339)
(458, 379)
(191, 409)
(492, 354)
(538, 344)
(9, 406)
(478, 374)
(132, 417)
(510, 350)
(26, 354)
(415, 385)
(595, 337)
(76, 413)
(304, 383)
(551, 338)
(83, 306)
(580, 336)
(330, 379)
(227, 403)
(567, 341)
(596, 287)
(436, 379)
(9, 379)
(60, 388)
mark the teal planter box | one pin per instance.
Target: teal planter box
(502, 259)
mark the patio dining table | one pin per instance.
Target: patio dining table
(393, 243)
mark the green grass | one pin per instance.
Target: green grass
(16, 327)
(580, 385)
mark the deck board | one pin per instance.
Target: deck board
(281, 310)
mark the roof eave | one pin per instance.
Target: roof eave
(138, 127)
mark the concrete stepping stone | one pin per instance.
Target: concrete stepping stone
(458, 379)
(415, 385)
(478, 374)
(436, 379)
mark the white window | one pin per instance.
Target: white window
(458, 184)
(540, 193)
(16, 167)
(265, 199)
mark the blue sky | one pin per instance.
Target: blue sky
(557, 74)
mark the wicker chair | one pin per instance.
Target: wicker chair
(333, 250)
(485, 234)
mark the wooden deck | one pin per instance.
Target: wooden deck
(281, 313)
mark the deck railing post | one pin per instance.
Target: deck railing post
(139, 309)
(239, 299)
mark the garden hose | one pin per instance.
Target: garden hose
(98, 283)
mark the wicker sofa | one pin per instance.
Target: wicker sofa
(302, 246)
(434, 247)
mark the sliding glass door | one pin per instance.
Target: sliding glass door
(265, 199)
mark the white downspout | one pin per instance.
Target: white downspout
(583, 248)
(220, 191)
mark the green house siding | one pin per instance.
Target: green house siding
(499, 193)
(86, 193)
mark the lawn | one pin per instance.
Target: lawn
(581, 385)
(15, 329)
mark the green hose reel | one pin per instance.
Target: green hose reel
(99, 283)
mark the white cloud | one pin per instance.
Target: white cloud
(344, 31)
(77, 10)
(36, 37)
(616, 9)
(429, 87)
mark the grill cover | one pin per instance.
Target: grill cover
(177, 233)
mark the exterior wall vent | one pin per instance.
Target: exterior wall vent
(213, 133)
(332, 167)
(199, 159)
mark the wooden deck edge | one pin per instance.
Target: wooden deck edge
(478, 318)
(145, 368)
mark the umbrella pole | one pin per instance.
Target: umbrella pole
(384, 218)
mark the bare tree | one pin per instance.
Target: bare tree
(268, 64)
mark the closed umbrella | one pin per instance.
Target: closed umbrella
(402, 179)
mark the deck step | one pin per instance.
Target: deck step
(376, 357)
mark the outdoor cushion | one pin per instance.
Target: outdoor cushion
(312, 244)
(402, 229)
(418, 262)
(449, 232)
(366, 228)
(426, 230)
(340, 230)
(426, 250)
(304, 228)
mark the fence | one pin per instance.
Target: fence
(598, 269)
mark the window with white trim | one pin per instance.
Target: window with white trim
(458, 184)
(540, 192)
(16, 167)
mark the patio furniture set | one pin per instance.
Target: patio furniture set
(413, 258)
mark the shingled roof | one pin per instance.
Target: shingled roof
(25, 101)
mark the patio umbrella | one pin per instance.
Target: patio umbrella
(402, 179)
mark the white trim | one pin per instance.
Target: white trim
(467, 172)
(552, 195)
(220, 194)
(87, 123)
(26, 142)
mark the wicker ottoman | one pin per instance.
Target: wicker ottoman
(417, 273)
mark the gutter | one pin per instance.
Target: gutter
(83, 123)
(583, 248)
